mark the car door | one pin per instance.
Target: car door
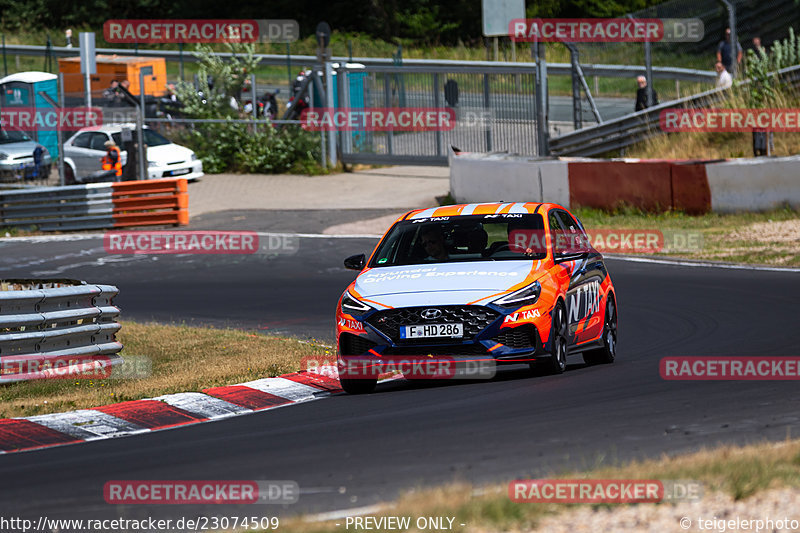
(97, 150)
(584, 312)
(80, 153)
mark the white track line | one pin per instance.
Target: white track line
(700, 264)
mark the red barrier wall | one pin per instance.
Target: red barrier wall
(690, 190)
(609, 184)
(653, 186)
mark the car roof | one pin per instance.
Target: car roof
(110, 128)
(493, 208)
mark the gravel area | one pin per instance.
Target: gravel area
(777, 505)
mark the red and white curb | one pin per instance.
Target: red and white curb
(163, 412)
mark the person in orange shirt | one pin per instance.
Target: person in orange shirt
(113, 159)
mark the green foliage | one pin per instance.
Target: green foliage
(232, 147)
(239, 147)
(766, 87)
(445, 21)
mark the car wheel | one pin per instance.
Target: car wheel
(69, 175)
(608, 352)
(558, 343)
(358, 386)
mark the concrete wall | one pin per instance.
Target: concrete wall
(754, 184)
(491, 178)
(652, 185)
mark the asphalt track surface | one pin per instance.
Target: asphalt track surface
(352, 451)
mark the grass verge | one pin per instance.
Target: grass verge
(736, 472)
(770, 238)
(181, 359)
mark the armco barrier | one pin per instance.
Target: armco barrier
(50, 322)
(98, 205)
(694, 187)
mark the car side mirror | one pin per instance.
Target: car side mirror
(355, 262)
(563, 257)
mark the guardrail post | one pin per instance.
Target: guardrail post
(329, 98)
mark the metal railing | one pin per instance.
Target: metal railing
(555, 69)
(97, 205)
(641, 125)
(56, 328)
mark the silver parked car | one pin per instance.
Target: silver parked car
(165, 159)
(16, 157)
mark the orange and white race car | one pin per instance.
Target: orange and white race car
(498, 282)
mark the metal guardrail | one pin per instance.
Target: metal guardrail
(97, 205)
(553, 69)
(56, 328)
(641, 125)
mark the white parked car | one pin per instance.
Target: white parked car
(165, 159)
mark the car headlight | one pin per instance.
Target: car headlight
(524, 296)
(194, 156)
(350, 305)
(3, 155)
(152, 163)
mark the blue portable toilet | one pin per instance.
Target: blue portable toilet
(22, 90)
(356, 80)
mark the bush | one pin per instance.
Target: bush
(239, 147)
(232, 147)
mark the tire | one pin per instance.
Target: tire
(557, 363)
(606, 354)
(69, 175)
(358, 386)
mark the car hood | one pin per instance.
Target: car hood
(17, 149)
(169, 153)
(442, 284)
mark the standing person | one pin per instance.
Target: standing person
(725, 52)
(724, 79)
(111, 94)
(641, 94)
(113, 158)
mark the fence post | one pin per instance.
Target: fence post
(577, 119)
(180, 60)
(142, 151)
(329, 97)
(436, 104)
(61, 176)
(486, 104)
(5, 61)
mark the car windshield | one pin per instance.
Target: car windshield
(12, 136)
(151, 138)
(456, 239)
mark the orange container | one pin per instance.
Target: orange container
(116, 68)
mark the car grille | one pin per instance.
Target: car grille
(176, 163)
(410, 351)
(474, 317)
(521, 337)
